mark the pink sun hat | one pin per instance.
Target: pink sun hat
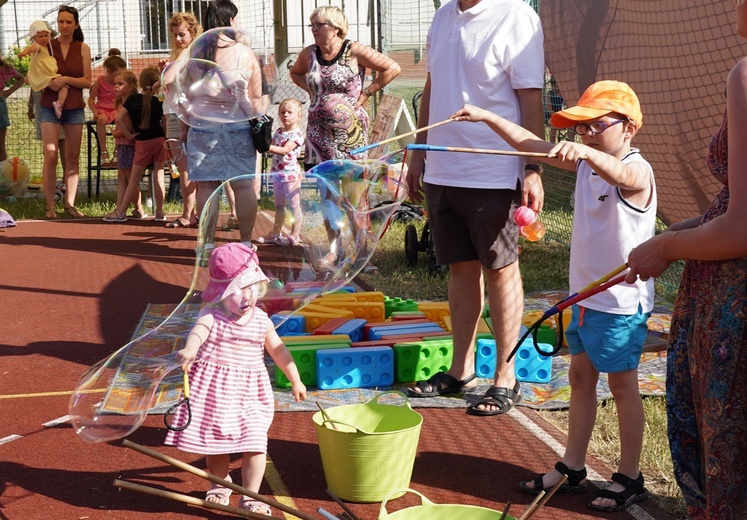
(232, 267)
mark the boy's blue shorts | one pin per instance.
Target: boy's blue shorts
(613, 342)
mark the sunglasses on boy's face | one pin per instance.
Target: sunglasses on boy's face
(595, 128)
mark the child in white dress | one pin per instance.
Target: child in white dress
(230, 392)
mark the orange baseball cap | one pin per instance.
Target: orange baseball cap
(598, 100)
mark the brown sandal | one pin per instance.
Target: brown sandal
(73, 212)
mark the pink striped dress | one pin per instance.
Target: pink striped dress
(230, 391)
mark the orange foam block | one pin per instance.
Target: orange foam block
(482, 325)
(434, 311)
(369, 311)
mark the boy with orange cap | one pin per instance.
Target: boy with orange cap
(615, 210)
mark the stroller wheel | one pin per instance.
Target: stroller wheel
(412, 245)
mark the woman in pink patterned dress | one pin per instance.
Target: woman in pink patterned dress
(230, 392)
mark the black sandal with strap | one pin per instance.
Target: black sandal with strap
(502, 398)
(575, 484)
(634, 492)
(432, 387)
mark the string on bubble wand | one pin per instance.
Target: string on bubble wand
(595, 287)
(183, 402)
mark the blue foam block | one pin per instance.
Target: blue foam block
(353, 328)
(530, 366)
(363, 367)
(378, 332)
(289, 325)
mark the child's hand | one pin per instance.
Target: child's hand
(299, 391)
(186, 357)
(469, 113)
(569, 151)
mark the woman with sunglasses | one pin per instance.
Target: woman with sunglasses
(74, 66)
(333, 71)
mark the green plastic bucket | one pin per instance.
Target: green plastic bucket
(372, 451)
(427, 510)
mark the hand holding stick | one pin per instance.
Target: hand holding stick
(361, 149)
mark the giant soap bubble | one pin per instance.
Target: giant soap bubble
(225, 76)
(346, 207)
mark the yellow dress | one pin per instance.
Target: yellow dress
(42, 69)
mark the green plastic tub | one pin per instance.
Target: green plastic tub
(427, 510)
(372, 451)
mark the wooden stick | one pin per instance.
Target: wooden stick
(528, 510)
(324, 414)
(186, 499)
(546, 498)
(505, 510)
(216, 480)
(342, 505)
(361, 149)
(434, 148)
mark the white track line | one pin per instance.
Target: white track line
(10, 438)
(634, 510)
(55, 422)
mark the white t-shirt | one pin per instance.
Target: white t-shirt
(605, 229)
(480, 56)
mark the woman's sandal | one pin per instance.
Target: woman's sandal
(268, 239)
(73, 212)
(254, 506)
(105, 161)
(178, 222)
(575, 484)
(502, 398)
(634, 492)
(432, 387)
(231, 224)
(51, 214)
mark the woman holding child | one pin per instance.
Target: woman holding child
(74, 66)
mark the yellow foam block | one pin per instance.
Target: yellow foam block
(530, 317)
(346, 297)
(566, 316)
(482, 325)
(364, 296)
(323, 309)
(321, 338)
(370, 311)
(435, 311)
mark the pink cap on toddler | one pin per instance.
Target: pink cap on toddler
(232, 267)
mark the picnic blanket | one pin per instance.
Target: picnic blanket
(547, 396)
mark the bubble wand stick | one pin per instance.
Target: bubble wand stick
(597, 286)
(435, 148)
(361, 149)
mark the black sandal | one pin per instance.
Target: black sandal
(573, 485)
(503, 398)
(432, 387)
(634, 492)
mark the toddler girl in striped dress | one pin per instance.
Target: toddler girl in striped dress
(230, 392)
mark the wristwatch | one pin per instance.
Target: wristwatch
(367, 92)
(533, 167)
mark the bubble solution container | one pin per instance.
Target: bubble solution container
(530, 227)
(427, 510)
(372, 450)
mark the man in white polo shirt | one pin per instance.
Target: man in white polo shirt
(486, 53)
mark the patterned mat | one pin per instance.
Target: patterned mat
(548, 396)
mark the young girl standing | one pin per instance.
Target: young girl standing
(125, 84)
(230, 393)
(145, 112)
(101, 102)
(184, 29)
(287, 143)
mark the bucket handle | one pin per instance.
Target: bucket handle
(383, 513)
(334, 421)
(401, 394)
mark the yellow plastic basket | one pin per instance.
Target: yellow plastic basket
(427, 510)
(372, 451)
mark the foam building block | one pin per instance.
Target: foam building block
(286, 325)
(403, 328)
(274, 304)
(418, 361)
(305, 358)
(482, 325)
(352, 328)
(368, 326)
(330, 326)
(310, 339)
(406, 315)
(392, 305)
(317, 315)
(375, 343)
(434, 311)
(370, 311)
(363, 367)
(530, 366)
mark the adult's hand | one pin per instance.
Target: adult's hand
(532, 191)
(648, 259)
(57, 83)
(414, 176)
